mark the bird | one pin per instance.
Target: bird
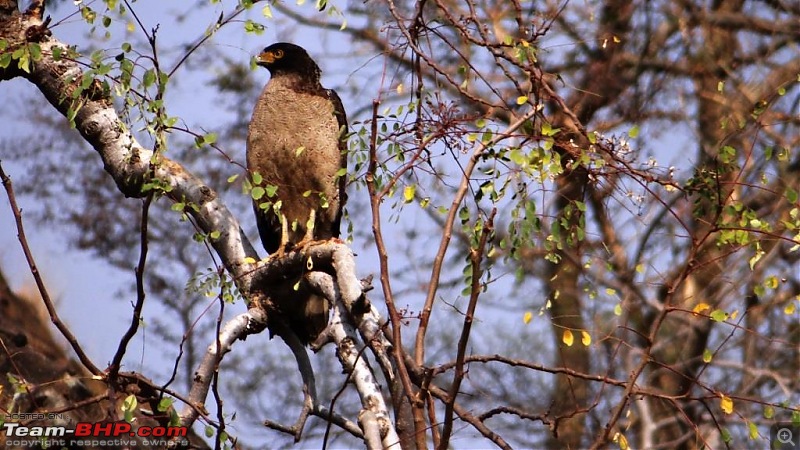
(297, 151)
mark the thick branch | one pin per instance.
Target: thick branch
(251, 322)
(354, 363)
(129, 164)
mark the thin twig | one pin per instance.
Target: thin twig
(394, 315)
(48, 303)
(116, 362)
(438, 263)
(476, 257)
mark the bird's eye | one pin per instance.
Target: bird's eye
(279, 53)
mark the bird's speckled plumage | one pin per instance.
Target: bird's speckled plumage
(295, 142)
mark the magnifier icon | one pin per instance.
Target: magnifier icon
(784, 435)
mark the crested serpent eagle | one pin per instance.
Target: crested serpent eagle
(296, 149)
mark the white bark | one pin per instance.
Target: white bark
(351, 353)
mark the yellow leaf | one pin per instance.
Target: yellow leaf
(753, 430)
(726, 404)
(408, 193)
(790, 308)
(618, 309)
(700, 308)
(586, 338)
(130, 27)
(617, 39)
(522, 99)
(249, 260)
(621, 441)
(527, 317)
(400, 89)
(734, 314)
(568, 338)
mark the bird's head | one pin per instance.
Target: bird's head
(283, 57)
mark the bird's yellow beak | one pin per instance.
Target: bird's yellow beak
(265, 58)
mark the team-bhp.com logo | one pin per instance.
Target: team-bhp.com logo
(94, 434)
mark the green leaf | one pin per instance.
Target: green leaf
(634, 132)
(130, 403)
(215, 235)
(267, 11)
(463, 214)
(726, 436)
(35, 50)
(791, 195)
(719, 315)
(88, 14)
(257, 178)
(753, 430)
(5, 60)
(756, 257)
(727, 154)
(164, 404)
(257, 193)
(24, 62)
(149, 78)
(707, 356)
(233, 178)
(253, 27)
(548, 130)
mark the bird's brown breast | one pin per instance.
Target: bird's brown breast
(293, 142)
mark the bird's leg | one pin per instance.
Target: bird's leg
(309, 236)
(284, 238)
